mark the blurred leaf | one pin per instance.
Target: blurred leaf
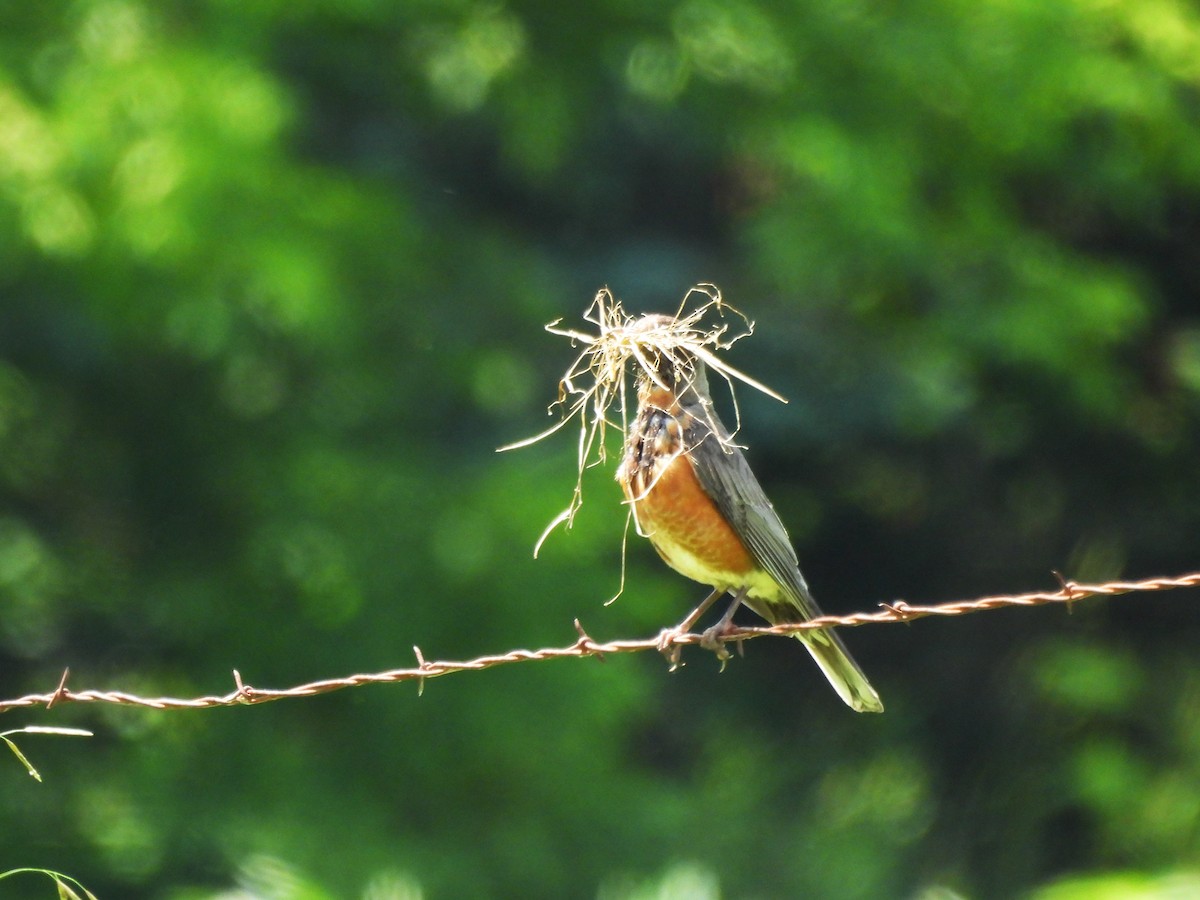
(1088, 678)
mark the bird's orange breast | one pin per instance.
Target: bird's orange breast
(686, 527)
(672, 509)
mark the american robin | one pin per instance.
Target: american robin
(694, 496)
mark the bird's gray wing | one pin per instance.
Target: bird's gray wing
(725, 475)
(723, 472)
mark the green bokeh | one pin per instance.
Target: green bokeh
(273, 278)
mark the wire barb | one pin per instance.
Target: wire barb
(669, 641)
(900, 609)
(60, 693)
(586, 644)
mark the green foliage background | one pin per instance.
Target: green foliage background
(272, 282)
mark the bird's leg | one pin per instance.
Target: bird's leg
(713, 638)
(666, 640)
(694, 616)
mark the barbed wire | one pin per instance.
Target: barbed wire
(668, 642)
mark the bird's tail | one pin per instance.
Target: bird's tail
(841, 670)
(825, 646)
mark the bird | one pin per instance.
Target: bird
(694, 495)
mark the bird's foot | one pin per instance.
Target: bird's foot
(714, 639)
(669, 647)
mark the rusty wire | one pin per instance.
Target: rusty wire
(896, 611)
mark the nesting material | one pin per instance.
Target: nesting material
(703, 325)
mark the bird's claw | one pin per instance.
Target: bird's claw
(668, 646)
(714, 639)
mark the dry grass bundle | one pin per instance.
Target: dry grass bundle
(598, 376)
